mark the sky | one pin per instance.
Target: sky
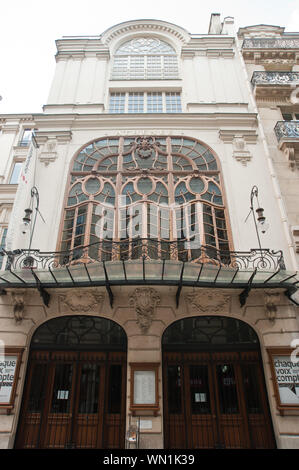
(28, 30)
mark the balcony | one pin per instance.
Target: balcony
(274, 84)
(271, 50)
(287, 134)
(271, 43)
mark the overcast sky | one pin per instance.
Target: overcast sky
(29, 29)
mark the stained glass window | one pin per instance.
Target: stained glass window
(159, 189)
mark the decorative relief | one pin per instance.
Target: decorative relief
(271, 300)
(145, 146)
(208, 302)
(48, 152)
(241, 153)
(18, 299)
(78, 301)
(145, 300)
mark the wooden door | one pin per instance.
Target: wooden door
(74, 400)
(215, 400)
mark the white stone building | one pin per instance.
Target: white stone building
(142, 293)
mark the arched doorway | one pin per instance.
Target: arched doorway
(75, 387)
(214, 390)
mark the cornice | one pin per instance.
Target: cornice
(8, 189)
(147, 26)
(62, 136)
(118, 122)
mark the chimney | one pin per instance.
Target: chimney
(215, 24)
(228, 26)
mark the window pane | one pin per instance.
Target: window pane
(227, 389)
(115, 389)
(251, 386)
(199, 390)
(89, 388)
(174, 381)
(14, 179)
(173, 103)
(62, 388)
(26, 137)
(117, 103)
(154, 103)
(135, 104)
(37, 388)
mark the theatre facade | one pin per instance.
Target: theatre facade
(149, 270)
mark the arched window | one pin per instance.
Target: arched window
(162, 190)
(145, 58)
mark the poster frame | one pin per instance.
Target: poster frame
(151, 408)
(18, 352)
(274, 352)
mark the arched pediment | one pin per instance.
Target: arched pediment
(154, 27)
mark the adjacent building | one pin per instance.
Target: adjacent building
(149, 234)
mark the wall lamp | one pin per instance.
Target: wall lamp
(261, 226)
(28, 225)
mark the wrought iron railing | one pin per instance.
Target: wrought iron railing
(271, 43)
(275, 78)
(288, 129)
(146, 249)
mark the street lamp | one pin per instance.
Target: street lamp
(28, 225)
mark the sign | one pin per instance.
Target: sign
(8, 366)
(285, 376)
(144, 387)
(9, 372)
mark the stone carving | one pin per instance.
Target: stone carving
(208, 302)
(78, 301)
(145, 300)
(145, 146)
(240, 153)
(271, 300)
(18, 305)
(48, 152)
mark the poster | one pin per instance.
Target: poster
(287, 377)
(144, 387)
(8, 366)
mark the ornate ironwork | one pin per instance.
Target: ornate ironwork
(289, 129)
(270, 43)
(275, 78)
(146, 249)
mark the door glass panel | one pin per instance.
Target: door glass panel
(199, 390)
(62, 388)
(115, 389)
(174, 385)
(251, 387)
(227, 389)
(37, 389)
(89, 388)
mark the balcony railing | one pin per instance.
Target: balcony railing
(144, 249)
(271, 43)
(287, 129)
(275, 78)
